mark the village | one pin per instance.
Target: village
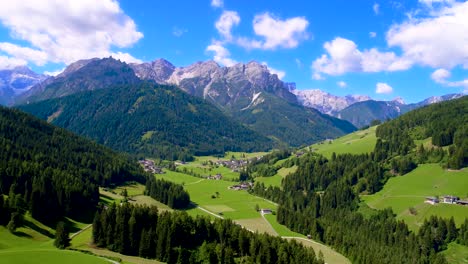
(149, 166)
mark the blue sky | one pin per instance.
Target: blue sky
(384, 49)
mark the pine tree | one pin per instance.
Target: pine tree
(62, 239)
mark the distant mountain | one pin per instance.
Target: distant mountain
(17, 81)
(150, 120)
(325, 102)
(251, 94)
(81, 76)
(363, 113)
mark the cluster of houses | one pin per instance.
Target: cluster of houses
(242, 186)
(236, 165)
(149, 166)
(447, 199)
(215, 177)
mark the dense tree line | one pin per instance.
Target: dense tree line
(168, 193)
(52, 172)
(150, 120)
(175, 237)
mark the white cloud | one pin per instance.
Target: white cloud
(279, 73)
(221, 54)
(376, 8)
(276, 33)
(441, 75)
(66, 31)
(437, 40)
(24, 53)
(8, 63)
(225, 23)
(178, 32)
(343, 56)
(372, 34)
(217, 3)
(342, 84)
(383, 88)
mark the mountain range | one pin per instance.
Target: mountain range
(248, 92)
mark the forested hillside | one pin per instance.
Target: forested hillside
(150, 120)
(52, 172)
(445, 123)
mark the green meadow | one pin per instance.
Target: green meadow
(215, 196)
(275, 180)
(409, 191)
(30, 246)
(359, 142)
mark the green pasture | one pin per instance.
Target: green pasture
(359, 142)
(402, 192)
(230, 203)
(275, 180)
(27, 245)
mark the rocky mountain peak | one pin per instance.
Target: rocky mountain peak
(325, 102)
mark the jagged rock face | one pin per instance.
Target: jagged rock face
(159, 70)
(325, 102)
(17, 81)
(228, 87)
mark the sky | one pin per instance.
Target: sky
(384, 49)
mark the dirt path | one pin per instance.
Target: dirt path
(79, 232)
(209, 212)
(263, 216)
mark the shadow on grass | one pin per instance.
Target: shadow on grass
(38, 229)
(21, 234)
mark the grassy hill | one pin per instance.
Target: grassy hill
(359, 142)
(402, 192)
(28, 246)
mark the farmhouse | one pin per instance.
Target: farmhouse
(432, 200)
(215, 177)
(462, 202)
(242, 186)
(449, 199)
(266, 211)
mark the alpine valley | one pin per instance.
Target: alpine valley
(152, 163)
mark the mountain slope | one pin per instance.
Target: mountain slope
(81, 76)
(363, 113)
(17, 81)
(150, 120)
(288, 122)
(251, 94)
(55, 172)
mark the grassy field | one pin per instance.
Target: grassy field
(402, 192)
(359, 142)
(230, 203)
(275, 180)
(29, 246)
